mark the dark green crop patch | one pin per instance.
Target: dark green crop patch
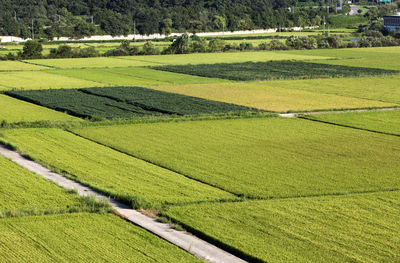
(273, 70)
(124, 102)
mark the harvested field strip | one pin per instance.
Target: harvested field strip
(265, 96)
(22, 190)
(128, 179)
(18, 66)
(134, 76)
(211, 58)
(384, 121)
(319, 229)
(31, 80)
(263, 158)
(123, 102)
(273, 70)
(13, 110)
(376, 88)
(99, 62)
(83, 238)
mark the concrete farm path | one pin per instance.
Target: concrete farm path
(296, 114)
(184, 240)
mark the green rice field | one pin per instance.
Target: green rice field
(383, 121)
(133, 76)
(18, 66)
(97, 62)
(41, 80)
(110, 171)
(246, 156)
(82, 238)
(381, 57)
(13, 110)
(22, 190)
(350, 228)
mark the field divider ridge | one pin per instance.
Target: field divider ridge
(348, 126)
(184, 240)
(152, 163)
(36, 64)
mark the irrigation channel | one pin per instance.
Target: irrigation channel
(184, 240)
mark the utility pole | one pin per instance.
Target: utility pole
(134, 27)
(324, 24)
(15, 15)
(33, 31)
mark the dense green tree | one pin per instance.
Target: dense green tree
(32, 49)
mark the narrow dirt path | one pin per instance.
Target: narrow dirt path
(295, 114)
(184, 240)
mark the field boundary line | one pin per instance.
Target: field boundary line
(349, 126)
(152, 163)
(141, 60)
(36, 64)
(184, 240)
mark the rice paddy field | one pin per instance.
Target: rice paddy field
(382, 57)
(30, 80)
(18, 66)
(313, 229)
(195, 140)
(279, 97)
(384, 121)
(22, 190)
(246, 157)
(14, 110)
(82, 237)
(134, 76)
(111, 171)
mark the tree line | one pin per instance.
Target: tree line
(79, 18)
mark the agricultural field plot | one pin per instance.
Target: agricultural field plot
(13, 110)
(227, 57)
(350, 228)
(123, 102)
(134, 76)
(80, 104)
(83, 238)
(273, 70)
(18, 66)
(264, 96)
(383, 121)
(41, 80)
(381, 88)
(23, 190)
(379, 57)
(98, 62)
(164, 102)
(264, 157)
(112, 172)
